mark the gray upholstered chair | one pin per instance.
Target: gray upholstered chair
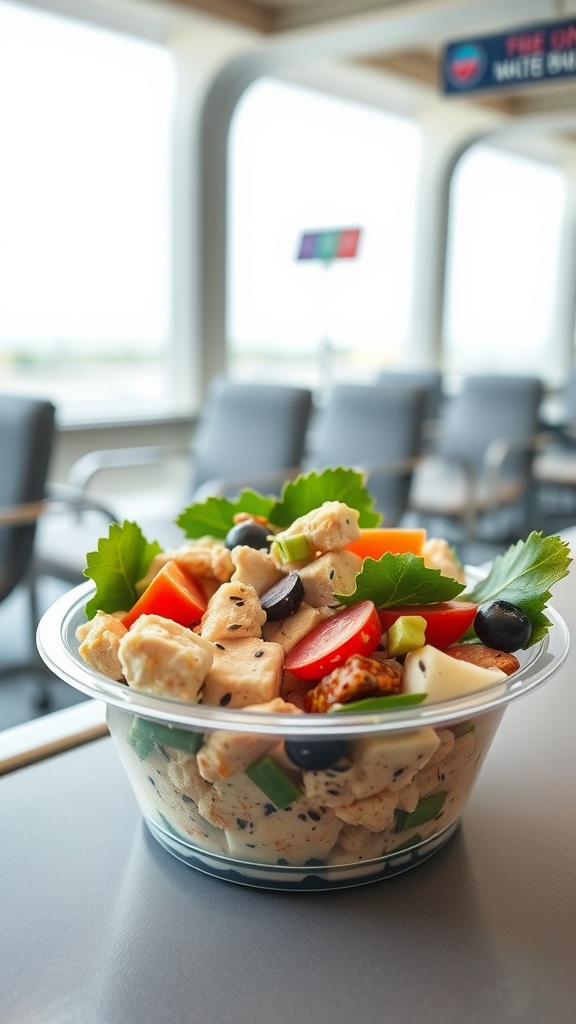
(479, 476)
(428, 379)
(555, 466)
(248, 435)
(26, 436)
(375, 428)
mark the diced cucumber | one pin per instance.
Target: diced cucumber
(462, 728)
(292, 549)
(143, 736)
(426, 810)
(169, 826)
(406, 634)
(271, 778)
(408, 843)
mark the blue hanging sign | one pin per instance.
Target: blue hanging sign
(522, 56)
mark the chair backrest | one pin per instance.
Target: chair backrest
(249, 429)
(372, 427)
(429, 380)
(569, 401)
(489, 408)
(26, 436)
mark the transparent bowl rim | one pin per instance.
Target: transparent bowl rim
(58, 648)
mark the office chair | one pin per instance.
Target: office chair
(429, 380)
(377, 429)
(555, 467)
(479, 476)
(26, 437)
(249, 435)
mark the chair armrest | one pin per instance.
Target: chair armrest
(89, 465)
(406, 465)
(498, 451)
(65, 498)
(61, 499)
(23, 515)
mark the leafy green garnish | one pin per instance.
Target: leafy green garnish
(122, 558)
(395, 580)
(384, 703)
(310, 490)
(215, 516)
(523, 576)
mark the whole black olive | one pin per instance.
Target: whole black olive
(502, 625)
(249, 533)
(314, 755)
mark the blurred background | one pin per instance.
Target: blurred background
(161, 164)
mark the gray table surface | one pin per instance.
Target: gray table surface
(99, 925)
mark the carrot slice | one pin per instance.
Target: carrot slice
(375, 542)
(171, 594)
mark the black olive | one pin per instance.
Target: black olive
(314, 755)
(283, 598)
(249, 533)
(502, 625)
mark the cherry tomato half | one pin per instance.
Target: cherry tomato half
(446, 621)
(355, 630)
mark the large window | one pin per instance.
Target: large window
(300, 160)
(84, 136)
(506, 215)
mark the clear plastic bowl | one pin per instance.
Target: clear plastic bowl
(372, 815)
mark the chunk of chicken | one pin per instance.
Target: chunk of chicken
(233, 612)
(100, 643)
(372, 764)
(247, 671)
(287, 632)
(257, 830)
(224, 753)
(328, 528)
(255, 567)
(207, 560)
(160, 656)
(374, 813)
(438, 554)
(332, 573)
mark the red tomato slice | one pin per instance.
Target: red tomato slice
(171, 594)
(446, 621)
(355, 630)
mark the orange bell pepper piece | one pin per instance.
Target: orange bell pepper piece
(376, 541)
(172, 594)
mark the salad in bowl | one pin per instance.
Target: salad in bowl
(301, 697)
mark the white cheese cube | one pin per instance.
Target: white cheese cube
(428, 670)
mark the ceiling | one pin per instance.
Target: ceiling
(272, 16)
(420, 63)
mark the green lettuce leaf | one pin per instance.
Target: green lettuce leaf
(523, 576)
(309, 490)
(122, 558)
(215, 516)
(395, 580)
